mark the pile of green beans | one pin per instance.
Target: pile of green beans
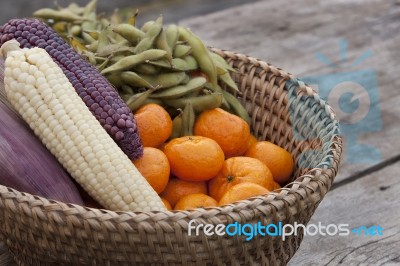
(166, 65)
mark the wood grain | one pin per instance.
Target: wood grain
(372, 200)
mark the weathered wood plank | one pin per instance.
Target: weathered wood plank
(290, 35)
(372, 200)
(172, 10)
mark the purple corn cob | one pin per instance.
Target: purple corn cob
(99, 95)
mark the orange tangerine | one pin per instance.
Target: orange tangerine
(154, 124)
(177, 188)
(193, 201)
(238, 170)
(278, 160)
(154, 166)
(194, 158)
(242, 191)
(231, 132)
(166, 203)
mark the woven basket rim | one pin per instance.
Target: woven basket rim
(302, 185)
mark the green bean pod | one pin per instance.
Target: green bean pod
(177, 126)
(194, 84)
(87, 38)
(89, 56)
(75, 30)
(162, 44)
(146, 26)
(217, 58)
(127, 91)
(166, 80)
(150, 36)
(90, 23)
(227, 79)
(112, 49)
(182, 50)
(133, 60)
(132, 19)
(93, 47)
(90, 9)
(103, 39)
(129, 32)
(177, 64)
(236, 107)
(199, 103)
(188, 119)
(135, 80)
(201, 54)
(58, 15)
(172, 35)
(147, 69)
(115, 79)
(191, 62)
(103, 64)
(137, 100)
(76, 44)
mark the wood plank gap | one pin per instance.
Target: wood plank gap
(366, 172)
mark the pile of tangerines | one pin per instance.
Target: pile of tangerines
(220, 164)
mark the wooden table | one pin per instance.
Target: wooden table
(292, 35)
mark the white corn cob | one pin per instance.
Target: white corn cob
(42, 94)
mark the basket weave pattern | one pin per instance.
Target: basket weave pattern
(40, 231)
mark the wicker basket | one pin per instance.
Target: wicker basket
(38, 231)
